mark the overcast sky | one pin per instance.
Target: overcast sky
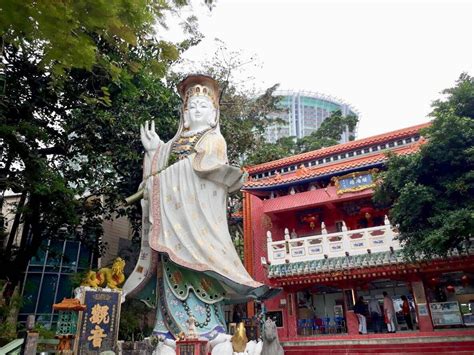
(388, 59)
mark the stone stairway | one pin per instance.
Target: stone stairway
(443, 342)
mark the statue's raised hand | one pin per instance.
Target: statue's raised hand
(148, 136)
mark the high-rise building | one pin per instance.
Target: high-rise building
(303, 112)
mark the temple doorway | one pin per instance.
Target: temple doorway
(321, 311)
(396, 290)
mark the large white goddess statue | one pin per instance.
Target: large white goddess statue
(188, 266)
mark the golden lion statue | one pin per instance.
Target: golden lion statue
(110, 277)
(239, 339)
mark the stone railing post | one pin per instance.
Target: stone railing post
(325, 242)
(287, 245)
(346, 240)
(269, 247)
(323, 228)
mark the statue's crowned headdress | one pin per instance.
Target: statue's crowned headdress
(199, 85)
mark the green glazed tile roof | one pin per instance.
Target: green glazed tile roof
(334, 264)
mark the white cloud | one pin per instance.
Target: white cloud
(389, 59)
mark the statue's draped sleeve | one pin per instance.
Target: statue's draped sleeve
(211, 162)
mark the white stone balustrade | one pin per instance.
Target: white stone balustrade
(331, 245)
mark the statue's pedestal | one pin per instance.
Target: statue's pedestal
(191, 347)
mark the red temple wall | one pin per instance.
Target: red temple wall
(258, 232)
(277, 222)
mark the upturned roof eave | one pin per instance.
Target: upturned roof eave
(339, 148)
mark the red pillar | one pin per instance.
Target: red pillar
(422, 307)
(291, 315)
(352, 323)
(351, 318)
(248, 245)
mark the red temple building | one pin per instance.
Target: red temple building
(312, 229)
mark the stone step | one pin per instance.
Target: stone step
(392, 348)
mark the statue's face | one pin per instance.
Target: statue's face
(201, 111)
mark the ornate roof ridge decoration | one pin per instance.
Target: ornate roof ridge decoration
(340, 266)
(384, 265)
(339, 148)
(330, 168)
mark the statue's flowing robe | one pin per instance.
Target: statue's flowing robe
(185, 221)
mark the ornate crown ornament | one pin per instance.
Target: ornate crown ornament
(199, 85)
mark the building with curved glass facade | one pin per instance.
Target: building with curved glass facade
(303, 112)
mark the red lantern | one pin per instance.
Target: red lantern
(434, 281)
(450, 288)
(465, 280)
(311, 220)
(367, 212)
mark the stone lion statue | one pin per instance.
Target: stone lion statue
(109, 277)
(271, 344)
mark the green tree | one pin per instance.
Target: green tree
(73, 34)
(79, 79)
(432, 191)
(327, 135)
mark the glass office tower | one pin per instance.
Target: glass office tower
(303, 112)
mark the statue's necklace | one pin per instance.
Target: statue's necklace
(184, 146)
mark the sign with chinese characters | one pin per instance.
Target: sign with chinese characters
(445, 313)
(296, 252)
(354, 182)
(335, 246)
(357, 244)
(315, 250)
(376, 242)
(278, 254)
(100, 321)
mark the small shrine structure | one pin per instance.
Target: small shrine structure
(68, 310)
